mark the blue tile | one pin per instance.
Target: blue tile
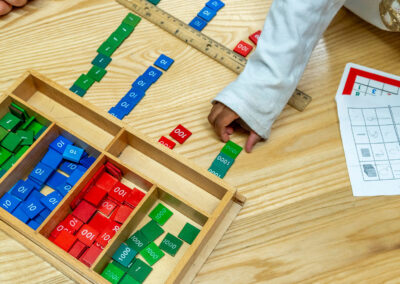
(9, 202)
(207, 14)
(216, 5)
(35, 195)
(41, 173)
(32, 207)
(75, 176)
(20, 214)
(45, 213)
(64, 188)
(52, 159)
(198, 24)
(141, 84)
(117, 113)
(51, 200)
(73, 153)
(164, 62)
(60, 143)
(153, 74)
(33, 224)
(68, 167)
(56, 179)
(22, 189)
(38, 185)
(87, 161)
(39, 219)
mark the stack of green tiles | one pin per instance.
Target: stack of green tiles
(126, 267)
(103, 58)
(18, 131)
(225, 159)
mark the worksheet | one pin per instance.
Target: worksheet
(368, 103)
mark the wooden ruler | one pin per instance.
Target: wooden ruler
(201, 42)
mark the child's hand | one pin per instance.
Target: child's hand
(221, 118)
(7, 5)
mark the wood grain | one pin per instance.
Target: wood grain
(300, 222)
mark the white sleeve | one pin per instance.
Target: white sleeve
(290, 33)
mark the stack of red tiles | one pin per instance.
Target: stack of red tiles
(99, 210)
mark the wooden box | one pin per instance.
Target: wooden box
(193, 194)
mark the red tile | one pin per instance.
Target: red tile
(180, 134)
(65, 240)
(87, 235)
(99, 222)
(84, 211)
(243, 48)
(77, 249)
(135, 197)
(119, 192)
(254, 37)
(106, 181)
(95, 195)
(122, 214)
(167, 142)
(107, 206)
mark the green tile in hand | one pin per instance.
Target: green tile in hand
(97, 73)
(152, 230)
(124, 30)
(137, 241)
(106, 48)
(131, 20)
(84, 82)
(139, 270)
(27, 123)
(231, 149)
(112, 273)
(171, 244)
(26, 137)
(4, 155)
(128, 280)
(154, 2)
(3, 133)
(152, 253)
(189, 233)
(116, 39)
(160, 214)
(11, 142)
(10, 122)
(101, 60)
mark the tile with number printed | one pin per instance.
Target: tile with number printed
(180, 134)
(243, 48)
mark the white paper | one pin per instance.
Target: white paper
(370, 128)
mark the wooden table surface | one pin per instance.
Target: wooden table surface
(300, 222)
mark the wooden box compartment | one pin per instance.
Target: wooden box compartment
(193, 194)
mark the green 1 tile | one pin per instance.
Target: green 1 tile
(27, 123)
(77, 90)
(4, 155)
(137, 241)
(124, 30)
(101, 60)
(171, 244)
(26, 137)
(106, 48)
(189, 233)
(9, 163)
(3, 133)
(231, 149)
(160, 214)
(152, 253)
(35, 126)
(116, 39)
(131, 20)
(112, 273)
(21, 151)
(139, 270)
(84, 82)
(128, 280)
(11, 142)
(97, 73)
(9, 121)
(152, 230)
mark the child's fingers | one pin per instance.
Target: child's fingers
(215, 111)
(251, 141)
(224, 119)
(17, 3)
(5, 8)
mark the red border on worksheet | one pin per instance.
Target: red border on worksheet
(353, 73)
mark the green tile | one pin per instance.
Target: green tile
(4, 155)
(131, 20)
(120, 266)
(26, 137)
(154, 2)
(112, 273)
(152, 230)
(106, 48)
(160, 214)
(10, 121)
(139, 270)
(152, 253)
(27, 123)
(124, 30)
(40, 132)
(124, 255)
(97, 73)
(2, 172)
(116, 39)
(137, 241)
(189, 233)
(84, 82)
(171, 244)
(11, 142)
(3, 133)
(35, 126)
(21, 151)
(128, 280)
(101, 60)
(9, 163)
(77, 90)
(231, 149)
